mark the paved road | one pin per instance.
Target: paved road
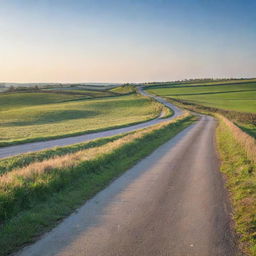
(172, 203)
(36, 146)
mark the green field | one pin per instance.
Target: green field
(79, 91)
(238, 97)
(123, 89)
(35, 116)
(201, 82)
(12, 101)
(94, 93)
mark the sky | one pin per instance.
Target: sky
(126, 40)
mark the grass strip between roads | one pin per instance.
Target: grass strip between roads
(24, 141)
(36, 197)
(22, 160)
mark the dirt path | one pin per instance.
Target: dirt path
(36, 146)
(172, 203)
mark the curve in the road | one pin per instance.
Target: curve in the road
(37, 146)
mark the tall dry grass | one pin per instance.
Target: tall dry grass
(35, 171)
(246, 141)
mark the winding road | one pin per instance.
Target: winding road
(172, 203)
(37, 146)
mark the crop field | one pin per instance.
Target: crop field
(238, 97)
(36, 116)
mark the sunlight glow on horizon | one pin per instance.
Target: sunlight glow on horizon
(126, 41)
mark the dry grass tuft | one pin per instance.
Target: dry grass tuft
(33, 171)
(245, 140)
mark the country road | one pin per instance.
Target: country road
(36, 146)
(172, 203)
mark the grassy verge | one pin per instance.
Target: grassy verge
(240, 171)
(166, 112)
(10, 163)
(35, 198)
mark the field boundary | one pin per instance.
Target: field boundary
(187, 84)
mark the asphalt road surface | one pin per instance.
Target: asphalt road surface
(37, 146)
(172, 203)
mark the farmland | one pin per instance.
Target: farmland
(238, 97)
(80, 91)
(38, 116)
(75, 173)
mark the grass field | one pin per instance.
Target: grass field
(15, 101)
(79, 91)
(36, 116)
(202, 82)
(95, 92)
(123, 89)
(36, 196)
(239, 97)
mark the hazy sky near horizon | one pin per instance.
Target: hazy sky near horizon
(126, 40)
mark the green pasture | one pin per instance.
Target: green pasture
(81, 91)
(94, 93)
(238, 97)
(123, 89)
(36, 116)
(15, 101)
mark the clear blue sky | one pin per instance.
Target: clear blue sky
(126, 41)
